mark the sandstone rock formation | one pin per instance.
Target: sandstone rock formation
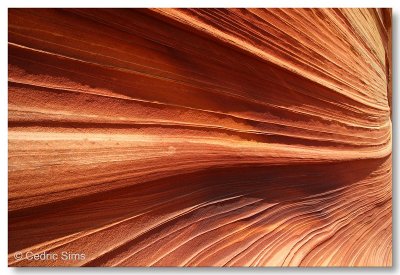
(200, 137)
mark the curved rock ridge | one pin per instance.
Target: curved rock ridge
(200, 137)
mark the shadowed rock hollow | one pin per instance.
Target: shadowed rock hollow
(200, 137)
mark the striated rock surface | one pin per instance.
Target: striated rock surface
(200, 137)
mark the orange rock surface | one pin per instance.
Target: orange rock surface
(200, 137)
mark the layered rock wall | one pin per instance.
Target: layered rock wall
(200, 137)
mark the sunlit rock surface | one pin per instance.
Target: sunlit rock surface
(204, 137)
